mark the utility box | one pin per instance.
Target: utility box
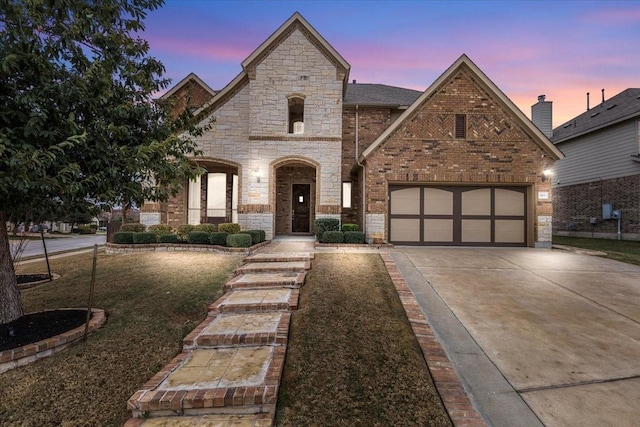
(593, 220)
(606, 211)
(615, 214)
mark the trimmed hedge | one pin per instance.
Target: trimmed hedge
(184, 230)
(144, 238)
(134, 227)
(86, 230)
(262, 235)
(356, 237)
(218, 238)
(168, 238)
(350, 227)
(255, 236)
(321, 225)
(229, 227)
(123, 237)
(239, 240)
(160, 229)
(207, 228)
(198, 238)
(333, 237)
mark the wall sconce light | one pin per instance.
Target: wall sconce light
(256, 172)
(546, 173)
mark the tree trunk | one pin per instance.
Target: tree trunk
(10, 303)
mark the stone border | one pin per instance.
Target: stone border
(448, 383)
(355, 245)
(29, 285)
(115, 248)
(30, 353)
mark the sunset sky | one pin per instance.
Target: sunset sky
(562, 49)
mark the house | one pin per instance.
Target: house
(293, 141)
(600, 175)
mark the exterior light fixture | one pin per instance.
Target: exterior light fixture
(256, 172)
(546, 173)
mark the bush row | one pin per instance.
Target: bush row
(238, 239)
(329, 230)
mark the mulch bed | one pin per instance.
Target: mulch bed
(28, 278)
(36, 327)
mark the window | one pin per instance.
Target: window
(194, 202)
(346, 195)
(461, 126)
(296, 115)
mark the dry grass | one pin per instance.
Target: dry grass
(352, 358)
(152, 301)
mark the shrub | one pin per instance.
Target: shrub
(321, 225)
(218, 238)
(255, 236)
(86, 230)
(123, 237)
(262, 235)
(160, 229)
(144, 238)
(94, 226)
(229, 227)
(184, 230)
(239, 240)
(333, 237)
(207, 228)
(198, 238)
(350, 227)
(134, 227)
(168, 238)
(356, 237)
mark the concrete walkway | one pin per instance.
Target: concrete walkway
(539, 337)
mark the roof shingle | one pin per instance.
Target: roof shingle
(371, 94)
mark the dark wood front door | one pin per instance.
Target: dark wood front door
(300, 207)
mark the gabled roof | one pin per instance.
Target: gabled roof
(181, 83)
(623, 106)
(464, 61)
(377, 95)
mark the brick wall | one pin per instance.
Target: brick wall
(423, 149)
(190, 95)
(575, 205)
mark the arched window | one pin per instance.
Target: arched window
(296, 115)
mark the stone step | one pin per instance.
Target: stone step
(240, 329)
(285, 279)
(240, 380)
(274, 267)
(253, 420)
(256, 300)
(280, 257)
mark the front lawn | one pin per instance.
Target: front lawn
(152, 301)
(622, 250)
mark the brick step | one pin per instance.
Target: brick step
(280, 257)
(285, 279)
(252, 420)
(240, 329)
(228, 381)
(256, 300)
(274, 267)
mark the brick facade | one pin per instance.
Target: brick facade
(575, 205)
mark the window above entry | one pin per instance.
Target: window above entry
(296, 115)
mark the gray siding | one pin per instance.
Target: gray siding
(599, 155)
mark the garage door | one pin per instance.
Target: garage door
(459, 216)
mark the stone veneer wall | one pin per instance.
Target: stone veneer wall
(497, 150)
(575, 205)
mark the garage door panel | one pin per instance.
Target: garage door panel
(405, 230)
(438, 230)
(476, 202)
(510, 231)
(476, 231)
(405, 201)
(438, 201)
(509, 202)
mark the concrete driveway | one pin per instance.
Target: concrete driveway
(538, 336)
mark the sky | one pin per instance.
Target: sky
(562, 49)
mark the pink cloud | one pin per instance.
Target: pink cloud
(619, 16)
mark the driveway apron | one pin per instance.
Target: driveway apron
(538, 336)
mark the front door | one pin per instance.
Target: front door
(300, 207)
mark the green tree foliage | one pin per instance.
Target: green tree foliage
(77, 121)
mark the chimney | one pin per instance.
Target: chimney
(541, 116)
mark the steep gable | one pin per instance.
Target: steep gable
(191, 92)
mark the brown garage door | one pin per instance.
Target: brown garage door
(457, 215)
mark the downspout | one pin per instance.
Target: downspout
(364, 180)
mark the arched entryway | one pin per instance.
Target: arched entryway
(213, 197)
(295, 196)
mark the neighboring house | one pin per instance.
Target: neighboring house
(602, 167)
(294, 141)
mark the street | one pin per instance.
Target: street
(34, 247)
